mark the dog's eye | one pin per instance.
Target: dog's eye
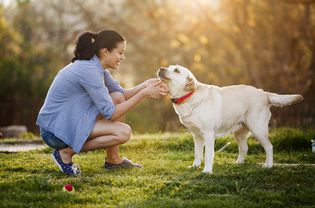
(176, 70)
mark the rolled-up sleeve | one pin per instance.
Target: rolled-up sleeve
(112, 84)
(92, 81)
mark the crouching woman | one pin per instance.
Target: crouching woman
(85, 106)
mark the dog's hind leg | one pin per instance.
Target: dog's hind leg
(241, 138)
(258, 125)
(263, 139)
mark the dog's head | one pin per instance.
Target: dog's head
(178, 79)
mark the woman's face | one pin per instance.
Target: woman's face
(113, 58)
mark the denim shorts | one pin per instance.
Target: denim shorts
(51, 140)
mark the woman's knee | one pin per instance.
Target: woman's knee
(124, 133)
(119, 131)
(117, 97)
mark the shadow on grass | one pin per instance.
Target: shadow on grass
(38, 191)
(246, 185)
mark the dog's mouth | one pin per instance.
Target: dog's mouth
(161, 74)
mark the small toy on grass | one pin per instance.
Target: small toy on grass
(68, 188)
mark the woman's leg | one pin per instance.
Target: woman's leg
(105, 135)
(113, 152)
(54, 142)
(66, 154)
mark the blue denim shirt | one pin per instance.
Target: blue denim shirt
(79, 92)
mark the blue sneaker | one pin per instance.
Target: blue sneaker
(70, 169)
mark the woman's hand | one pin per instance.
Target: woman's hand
(155, 89)
(150, 81)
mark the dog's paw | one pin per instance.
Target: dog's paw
(207, 171)
(239, 162)
(267, 165)
(194, 166)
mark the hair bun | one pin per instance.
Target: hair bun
(84, 49)
(94, 36)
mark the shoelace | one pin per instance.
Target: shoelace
(76, 168)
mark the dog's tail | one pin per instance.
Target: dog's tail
(283, 100)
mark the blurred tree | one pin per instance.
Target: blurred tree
(268, 44)
(29, 73)
(10, 49)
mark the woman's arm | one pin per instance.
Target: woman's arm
(133, 91)
(123, 108)
(153, 90)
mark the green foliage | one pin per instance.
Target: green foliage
(27, 135)
(282, 139)
(286, 139)
(25, 67)
(31, 179)
(268, 44)
(9, 50)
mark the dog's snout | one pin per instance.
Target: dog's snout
(163, 73)
(160, 73)
(162, 69)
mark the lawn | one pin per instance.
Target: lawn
(31, 179)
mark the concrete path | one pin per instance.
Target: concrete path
(20, 147)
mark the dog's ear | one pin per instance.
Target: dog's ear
(191, 84)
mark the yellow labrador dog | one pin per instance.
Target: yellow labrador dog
(209, 111)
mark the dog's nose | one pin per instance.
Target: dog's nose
(162, 69)
(161, 72)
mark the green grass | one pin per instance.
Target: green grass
(31, 179)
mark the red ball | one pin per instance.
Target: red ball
(68, 187)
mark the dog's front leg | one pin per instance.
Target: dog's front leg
(199, 144)
(209, 151)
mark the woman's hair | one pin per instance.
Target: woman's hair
(89, 44)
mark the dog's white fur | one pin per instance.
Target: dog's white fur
(214, 111)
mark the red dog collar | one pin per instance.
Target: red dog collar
(181, 99)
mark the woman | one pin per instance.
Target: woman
(84, 91)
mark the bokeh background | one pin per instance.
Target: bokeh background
(269, 44)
